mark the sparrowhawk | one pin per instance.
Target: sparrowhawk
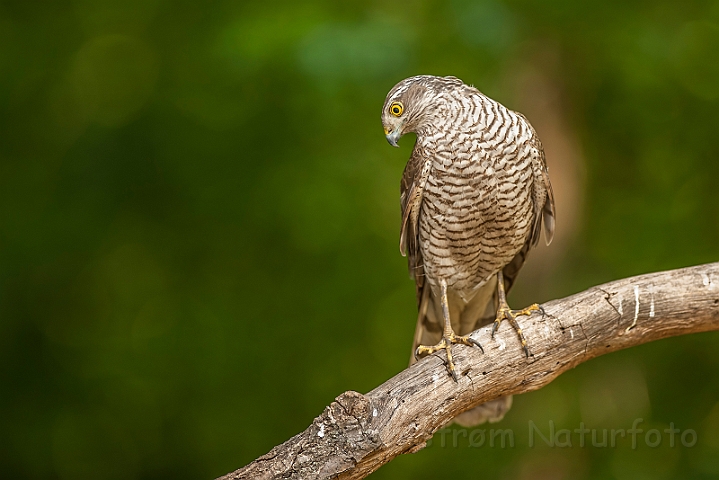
(474, 195)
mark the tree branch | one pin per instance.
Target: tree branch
(358, 433)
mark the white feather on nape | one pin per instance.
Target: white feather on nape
(400, 91)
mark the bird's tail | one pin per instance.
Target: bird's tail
(466, 317)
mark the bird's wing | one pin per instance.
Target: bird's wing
(543, 195)
(548, 212)
(412, 185)
(411, 188)
(547, 206)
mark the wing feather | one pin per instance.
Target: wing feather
(412, 185)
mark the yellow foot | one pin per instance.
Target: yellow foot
(446, 344)
(505, 312)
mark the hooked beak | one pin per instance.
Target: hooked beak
(393, 137)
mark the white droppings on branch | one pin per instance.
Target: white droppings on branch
(651, 306)
(636, 309)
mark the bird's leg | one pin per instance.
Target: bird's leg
(511, 315)
(448, 337)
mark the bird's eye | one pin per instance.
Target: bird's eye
(396, 109)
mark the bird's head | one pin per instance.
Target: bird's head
(412, 104)
(403, 107)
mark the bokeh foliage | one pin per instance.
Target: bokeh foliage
(199, 223)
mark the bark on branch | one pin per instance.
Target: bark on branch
(358, 433)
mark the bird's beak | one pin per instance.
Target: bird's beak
(393, 137)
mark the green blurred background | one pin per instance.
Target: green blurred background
(199, 222)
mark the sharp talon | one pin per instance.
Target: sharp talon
(526, 351)
(454, 376)
(416, 353)
(476, 343)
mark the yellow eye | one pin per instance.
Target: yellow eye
(396, 109)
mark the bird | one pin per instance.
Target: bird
(474, 196)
